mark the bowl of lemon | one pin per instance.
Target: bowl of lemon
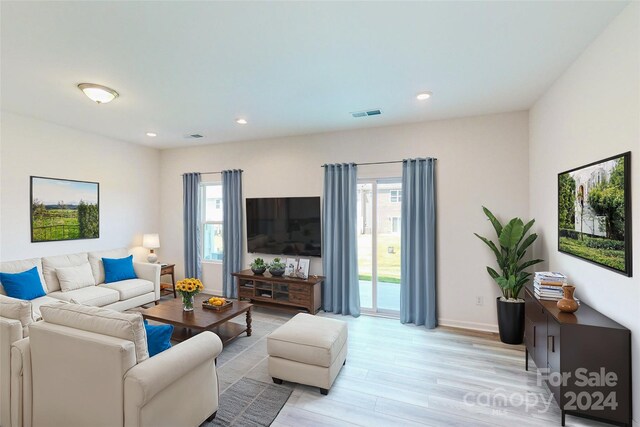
(216, 303)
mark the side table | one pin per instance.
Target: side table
(168, 270)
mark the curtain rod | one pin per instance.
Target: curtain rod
(211, 173)
(379, 163)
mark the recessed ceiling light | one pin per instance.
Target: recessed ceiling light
(98, 93)
(422, 96)
(241, 121)
(152, 134)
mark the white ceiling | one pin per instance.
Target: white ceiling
(289, 68)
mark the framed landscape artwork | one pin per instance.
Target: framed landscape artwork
(594, 213)
(63, 209)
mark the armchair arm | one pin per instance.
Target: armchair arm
(150, 272)
(158, 372)
(10, 332)
(173, 378)
(21, 389)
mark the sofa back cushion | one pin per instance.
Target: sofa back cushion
(128, 326)
(77, 277)
(95, 259)
(25, 285)
(20, 266)
(51, 263)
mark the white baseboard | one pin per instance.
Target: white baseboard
(211, 291)
(475, 326)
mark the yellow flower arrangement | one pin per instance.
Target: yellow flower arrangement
(188, 288)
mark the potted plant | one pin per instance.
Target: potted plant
(276, 268)
(511, 275)
(258, 266)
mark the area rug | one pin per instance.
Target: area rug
(250, 403)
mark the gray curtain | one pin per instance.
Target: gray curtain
(418, 243)
(191, 215)
(341, 291)
(231, 229)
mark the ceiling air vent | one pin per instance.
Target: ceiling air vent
(194, 135)
(366, 113)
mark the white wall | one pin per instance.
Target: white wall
(128, 175)
(481, 160)
(592, 112)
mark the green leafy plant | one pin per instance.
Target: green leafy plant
(258, 263)
(277, 264)
(510, 251)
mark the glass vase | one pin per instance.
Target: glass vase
(187, 302)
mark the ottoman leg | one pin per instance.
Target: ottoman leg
(324, 391)
(345, 362)
(212, 417)
(277, 380)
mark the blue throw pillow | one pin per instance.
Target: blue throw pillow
(158, 337)
(25, 285)
(116, 269)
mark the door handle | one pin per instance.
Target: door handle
(534, 335)
(553, 343)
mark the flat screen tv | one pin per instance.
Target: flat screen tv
(284, 226)
(594, 213)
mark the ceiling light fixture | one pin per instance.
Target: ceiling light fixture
(152, 134)
(241, 121)
(98, 93)
(423, 96)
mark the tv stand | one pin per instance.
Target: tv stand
(282, 292)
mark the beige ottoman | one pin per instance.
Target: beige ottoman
(308, 350)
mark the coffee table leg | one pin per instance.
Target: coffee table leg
(249, 322)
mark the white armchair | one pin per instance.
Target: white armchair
(82, 375)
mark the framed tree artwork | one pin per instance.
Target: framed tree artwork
(64, 209)
(594, 213)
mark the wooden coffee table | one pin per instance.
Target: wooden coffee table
(189, 323)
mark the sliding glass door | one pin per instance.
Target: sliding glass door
(379, 219)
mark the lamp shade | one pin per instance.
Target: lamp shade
(151, 241)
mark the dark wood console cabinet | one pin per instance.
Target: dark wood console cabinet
(578, 345)
(281, 291)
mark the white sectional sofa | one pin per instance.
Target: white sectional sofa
(17, 315)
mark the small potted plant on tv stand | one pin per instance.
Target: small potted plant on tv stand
(510, 251)
(276, 268)
(258, 266)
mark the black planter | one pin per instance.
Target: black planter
(511, 321)
(276, 272)
(259, 271)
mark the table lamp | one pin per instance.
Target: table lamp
(151, 242)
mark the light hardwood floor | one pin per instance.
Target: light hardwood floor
(402, 375)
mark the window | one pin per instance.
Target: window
(211, 196)
(395, 224)
(396, 196)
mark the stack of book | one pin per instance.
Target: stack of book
(547, 285)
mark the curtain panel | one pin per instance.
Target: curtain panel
(191, 217)
(231, 229)
(418, 243)
(341, 290)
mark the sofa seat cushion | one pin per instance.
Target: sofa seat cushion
(128, 326)
(130, 288)
(39, 302)
(92, 295)
(308, 339)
